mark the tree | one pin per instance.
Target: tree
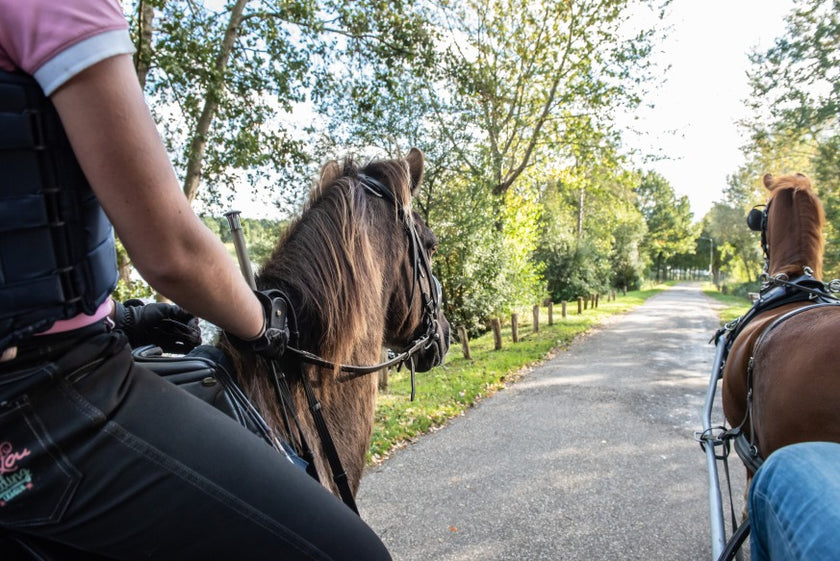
(796, 104)
(516, 73)
(225, 82)
(800, 75)
(738, 246)
(668, 218)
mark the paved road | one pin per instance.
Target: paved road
(590, 456)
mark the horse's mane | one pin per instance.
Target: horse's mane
(799, 211)
(326, 260)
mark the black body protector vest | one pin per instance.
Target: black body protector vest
(57, 254)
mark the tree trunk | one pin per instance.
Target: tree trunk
(581, 198)
(198, 144)
(145, 30)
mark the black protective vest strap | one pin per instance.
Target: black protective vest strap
(57, 253)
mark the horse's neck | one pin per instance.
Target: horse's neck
(798, 245)
(793, 262)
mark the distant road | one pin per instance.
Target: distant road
(590, 456)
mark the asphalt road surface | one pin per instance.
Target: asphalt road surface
(589, 456)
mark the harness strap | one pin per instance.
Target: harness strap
(747, 449)
(339, 474)
(284, 396)
(735, 542)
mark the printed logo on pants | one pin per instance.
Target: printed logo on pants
(14, 479)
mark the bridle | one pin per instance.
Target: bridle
(428, 334)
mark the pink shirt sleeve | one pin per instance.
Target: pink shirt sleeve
(55, 39)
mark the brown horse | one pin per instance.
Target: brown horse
(355, 268)
(788, 367)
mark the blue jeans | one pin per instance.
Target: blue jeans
(794, 504)
(103, 456)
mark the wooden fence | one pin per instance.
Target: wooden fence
(589, 302)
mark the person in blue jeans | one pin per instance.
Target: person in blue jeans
(794, 503)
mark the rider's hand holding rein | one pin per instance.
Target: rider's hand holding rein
(167, 326)
(272, 340)
(134, 181)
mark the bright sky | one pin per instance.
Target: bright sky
(703, 95)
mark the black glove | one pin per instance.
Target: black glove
(271, 343)
(165, 325)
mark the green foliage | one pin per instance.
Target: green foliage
(626, 259)
(129, 285)
(575, 269)
(669, 227)
(519, 75)
(503, 98)
(196, 84)
(738, 248)
(796, 103)
(469, 257)
(261, 235)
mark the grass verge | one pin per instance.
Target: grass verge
(735, 306)
(447, 391)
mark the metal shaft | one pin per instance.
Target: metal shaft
(718, 530)
(241, 250)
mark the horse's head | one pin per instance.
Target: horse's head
(414, 322)
(791, 226)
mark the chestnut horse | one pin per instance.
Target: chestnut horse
(355, 269)
(781, 383)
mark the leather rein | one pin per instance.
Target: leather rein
(431, 302)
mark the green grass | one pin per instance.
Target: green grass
(736, 306)
(448, 390)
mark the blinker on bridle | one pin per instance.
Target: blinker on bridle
(757, 218)
(757, 222)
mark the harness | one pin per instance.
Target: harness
(776, 292)
(57, 253)
(291, 363)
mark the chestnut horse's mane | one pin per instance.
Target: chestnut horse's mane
(326, 261)
(796, 208)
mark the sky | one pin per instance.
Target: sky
(703, 92)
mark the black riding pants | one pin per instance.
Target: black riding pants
(104, 456)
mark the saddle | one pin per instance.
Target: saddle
(205, 372)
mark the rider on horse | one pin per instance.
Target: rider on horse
(97, 455)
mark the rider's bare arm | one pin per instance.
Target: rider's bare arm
(123, 157)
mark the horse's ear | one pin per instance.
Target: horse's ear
(415, 168)
(768, 181)
(330, 173)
